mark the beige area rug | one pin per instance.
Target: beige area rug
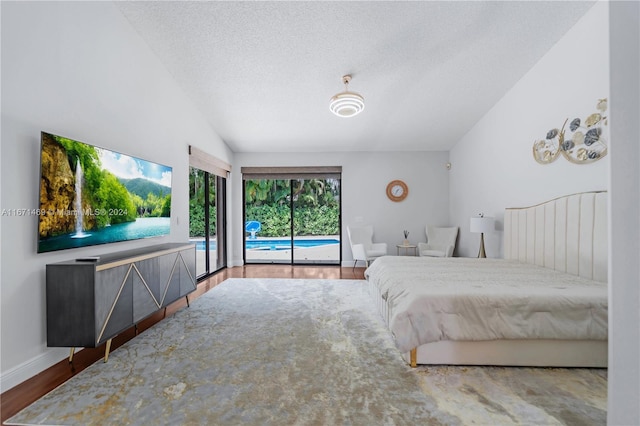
(302, 352)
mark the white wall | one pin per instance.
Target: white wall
(365, 176)
(493, 166)
(624, 269)
(79, 70)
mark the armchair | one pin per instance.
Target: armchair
(440, 241)
(362, 245)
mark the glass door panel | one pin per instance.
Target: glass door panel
(221, 224)
(207, 220)
(267, 221)
(316, 218)
(292, 221)
(212, 223)
(196, 218)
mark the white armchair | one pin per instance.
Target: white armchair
(440, 241)
(362, 245)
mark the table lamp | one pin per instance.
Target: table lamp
(481, 224)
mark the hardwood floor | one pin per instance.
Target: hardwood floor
(20, 396)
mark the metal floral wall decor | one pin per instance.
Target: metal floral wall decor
(585, 144)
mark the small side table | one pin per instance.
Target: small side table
(406, 248)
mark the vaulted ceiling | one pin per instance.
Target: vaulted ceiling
(262, 73)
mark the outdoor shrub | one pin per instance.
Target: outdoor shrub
(275, 220)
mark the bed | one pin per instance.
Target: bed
(545, 304)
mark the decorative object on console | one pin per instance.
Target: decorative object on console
(586, 145)
(397, 190)
(481, 225)
(346, 104)
(406, 237)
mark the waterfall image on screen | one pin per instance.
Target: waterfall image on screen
(90, 195)
(78, 203)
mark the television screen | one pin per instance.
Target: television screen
(90, 195)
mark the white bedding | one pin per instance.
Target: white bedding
(464, 299)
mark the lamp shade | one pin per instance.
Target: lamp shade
(481, 224)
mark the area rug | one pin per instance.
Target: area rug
(301, 352)
(518, 395)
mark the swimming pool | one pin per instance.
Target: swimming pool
(278, 244)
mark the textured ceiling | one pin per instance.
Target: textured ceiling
(262, 73)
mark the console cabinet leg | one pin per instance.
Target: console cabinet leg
(106, 350)
(414, 357)
(71, 352)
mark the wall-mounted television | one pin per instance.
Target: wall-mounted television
(91, 195)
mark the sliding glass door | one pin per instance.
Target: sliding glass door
(292, 216)
(316, 221)
(207, 220)
(267, 212)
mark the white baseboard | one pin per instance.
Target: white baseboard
(344, 263)
(349, 264)
(16, 375)
(235, 262)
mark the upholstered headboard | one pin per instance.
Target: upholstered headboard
(568, 234)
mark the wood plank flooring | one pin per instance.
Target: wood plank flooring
(20, 396)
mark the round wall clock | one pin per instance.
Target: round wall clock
(397, 190)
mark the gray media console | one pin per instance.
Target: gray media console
(90, 301)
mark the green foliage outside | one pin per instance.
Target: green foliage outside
(306, 192)
(196, 220)
(276, 220)
(316, 206)
(105, 193)
(197, 203)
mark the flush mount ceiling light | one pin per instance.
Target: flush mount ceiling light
(346, 104)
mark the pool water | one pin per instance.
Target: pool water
(281, 244)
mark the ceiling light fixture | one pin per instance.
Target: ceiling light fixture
(346, 104)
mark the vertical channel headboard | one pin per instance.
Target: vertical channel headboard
(568, 234)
